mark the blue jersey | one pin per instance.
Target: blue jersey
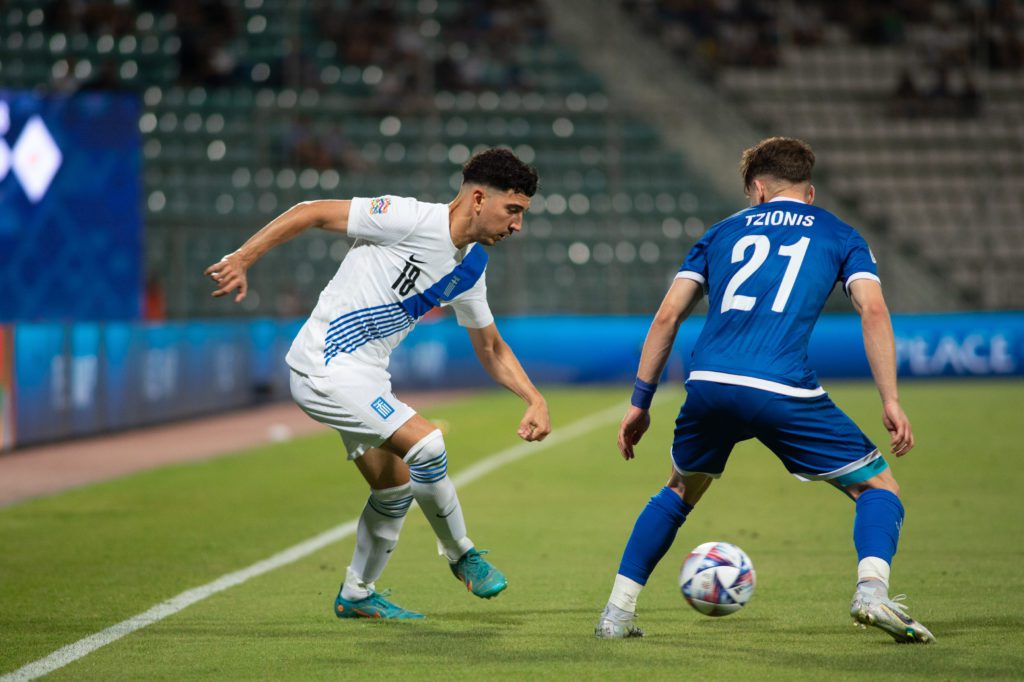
(768, 271)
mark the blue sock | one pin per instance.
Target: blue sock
(876, 528)
(653, 533)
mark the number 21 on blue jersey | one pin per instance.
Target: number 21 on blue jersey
(795, 252)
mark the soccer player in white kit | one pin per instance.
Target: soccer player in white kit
(408, 257)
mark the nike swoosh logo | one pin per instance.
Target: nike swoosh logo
(445, 516)
(412, 259)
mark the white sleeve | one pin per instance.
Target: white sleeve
(471, 308)
(382, 220)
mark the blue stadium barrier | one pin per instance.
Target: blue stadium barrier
(607, 349)
(78, 379)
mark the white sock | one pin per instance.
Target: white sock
(355, 588)
(624, 593)
(376, 537)
(440, 504)
(436, 496)
(873, 568)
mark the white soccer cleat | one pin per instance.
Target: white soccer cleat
(616, 624)
(874, 608)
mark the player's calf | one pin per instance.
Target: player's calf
(436, 496)
(376, 537)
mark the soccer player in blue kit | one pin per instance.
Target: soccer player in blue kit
(767, 272)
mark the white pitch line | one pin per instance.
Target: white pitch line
(84, 647)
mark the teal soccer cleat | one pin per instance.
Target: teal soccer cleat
(374, 606)
(480, 577)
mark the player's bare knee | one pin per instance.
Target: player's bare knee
(893, 487)
(882, 481)
(676, 484)
(428, 459)
(690, 487)
(382, 469)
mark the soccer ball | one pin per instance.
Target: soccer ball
(717, 579)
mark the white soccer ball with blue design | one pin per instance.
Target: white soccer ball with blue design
(717, 579)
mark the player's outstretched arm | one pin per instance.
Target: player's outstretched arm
(677, 305)
(501, 363)
(880, 348)
(229, 274)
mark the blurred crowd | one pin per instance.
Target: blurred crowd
(714, 34)
(400, 57)
(417, 53)
(948, 39)
(205, 30)
(477, 48)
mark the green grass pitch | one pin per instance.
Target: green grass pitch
(555, 522)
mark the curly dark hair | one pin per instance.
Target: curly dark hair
(501, 169)
(782, 158)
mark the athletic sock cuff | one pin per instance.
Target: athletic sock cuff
(391, 494)
(674, 507)
(880, 494)
(393, 502)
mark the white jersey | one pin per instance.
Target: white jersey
(402, 264)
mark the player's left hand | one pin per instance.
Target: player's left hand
(229, 275)
(536, 424)
(634, 426)
(896, 423)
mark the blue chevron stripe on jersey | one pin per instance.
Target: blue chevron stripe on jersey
(356, 328)
(460, 280)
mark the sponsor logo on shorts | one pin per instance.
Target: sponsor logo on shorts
(381, 407)
(379, 206)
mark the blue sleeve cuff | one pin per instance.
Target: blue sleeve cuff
(643, 394)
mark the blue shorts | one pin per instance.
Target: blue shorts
(814, 439)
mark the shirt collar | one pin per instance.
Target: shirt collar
(799, 201)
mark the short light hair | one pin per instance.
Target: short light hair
(780, 158)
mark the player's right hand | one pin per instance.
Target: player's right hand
(634, 426)
(229, 274)
(536, 423)
(896, 423)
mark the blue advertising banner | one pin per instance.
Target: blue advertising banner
(953, 345)
(70, 211)
(71, 380)
(6, 387)
(41, 383)
(78, 379)
(565, 349)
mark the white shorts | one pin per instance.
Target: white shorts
(356, 400)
